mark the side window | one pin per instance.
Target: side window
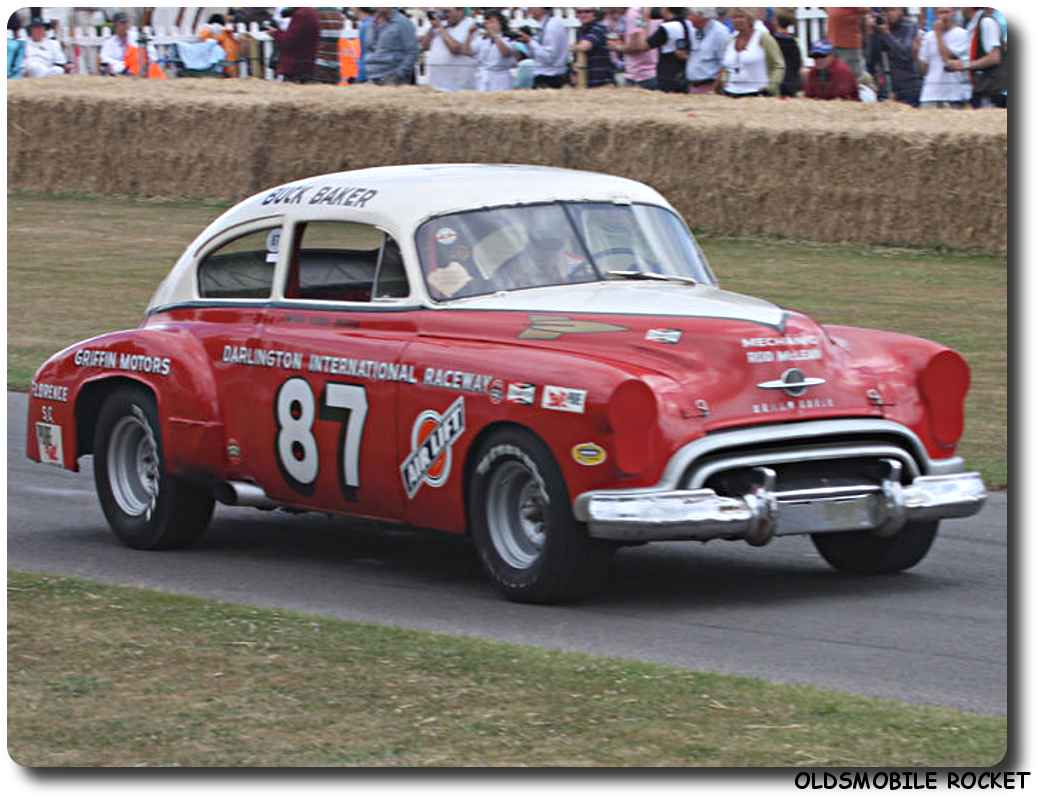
(241, 268)
(350, 262)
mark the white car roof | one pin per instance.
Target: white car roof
(399, 198)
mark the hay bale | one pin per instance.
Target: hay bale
(802, 169)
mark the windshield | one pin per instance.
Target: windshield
(550, 244)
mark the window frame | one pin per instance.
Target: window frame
(289, 245)
(229, 235)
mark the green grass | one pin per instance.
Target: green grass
(80, 265)
(111, 676)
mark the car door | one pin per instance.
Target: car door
(235, 276)
(335, 338)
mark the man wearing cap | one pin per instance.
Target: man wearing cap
(44, 57)
(114, 49)
(831, 78)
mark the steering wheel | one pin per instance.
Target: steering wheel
(637, 258)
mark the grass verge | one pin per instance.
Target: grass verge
(79, 266)
(111, 676)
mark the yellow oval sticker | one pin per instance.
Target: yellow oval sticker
(589, 454)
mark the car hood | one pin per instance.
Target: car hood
(699, 346)
(633, 298)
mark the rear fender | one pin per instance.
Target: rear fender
(170, 362)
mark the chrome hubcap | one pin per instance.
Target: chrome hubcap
(516, 510)
(133, 465)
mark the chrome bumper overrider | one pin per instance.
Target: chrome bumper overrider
(882, 509)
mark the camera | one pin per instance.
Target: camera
(516, 35)
(435, 15)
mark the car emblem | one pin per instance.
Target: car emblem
(793, 382)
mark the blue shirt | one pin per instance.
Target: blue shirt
(365, 32)
(705, 57)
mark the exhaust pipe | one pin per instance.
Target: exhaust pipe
(243, 494)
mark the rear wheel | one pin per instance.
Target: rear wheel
(146, 508)
(521, 520)
(864, 553)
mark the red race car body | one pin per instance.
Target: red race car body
(541, 357)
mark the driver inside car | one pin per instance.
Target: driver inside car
(456, 273)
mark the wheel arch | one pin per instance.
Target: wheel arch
(482, 437)
(89, 402)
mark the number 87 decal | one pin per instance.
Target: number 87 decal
(295, 446)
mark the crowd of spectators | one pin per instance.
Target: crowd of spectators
(941, 57)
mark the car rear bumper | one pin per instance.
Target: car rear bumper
(765, 513)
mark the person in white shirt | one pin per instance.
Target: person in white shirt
(44, 57)
(987, 59)
(943, 86)
(114, 49)
(705, 57)
(496, 56)
(549, 48)
(450, 68)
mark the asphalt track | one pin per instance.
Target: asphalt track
(936, 634)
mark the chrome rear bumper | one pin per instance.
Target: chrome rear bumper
(883, 509)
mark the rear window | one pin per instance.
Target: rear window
(241, 268)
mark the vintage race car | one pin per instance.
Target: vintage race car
(541, 358)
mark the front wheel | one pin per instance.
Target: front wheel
(521, 521)
(146, 508)
(864, 553)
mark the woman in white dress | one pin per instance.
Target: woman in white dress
(496, 56)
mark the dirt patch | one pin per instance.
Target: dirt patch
(880, 173)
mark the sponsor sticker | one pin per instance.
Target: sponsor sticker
(495, 391)
(234, 451)
(49, 442)
(588, 454)
(521, 393)
(433, 435)
(446, 235)
(564, 399)
(273, 245)
(663, 335)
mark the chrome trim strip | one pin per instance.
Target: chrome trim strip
(805, 455)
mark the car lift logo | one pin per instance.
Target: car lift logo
(550, 327)
(433, 435)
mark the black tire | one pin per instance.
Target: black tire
(568, 565)
(864, 553)
(178, 514)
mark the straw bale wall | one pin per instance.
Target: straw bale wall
(801, 169)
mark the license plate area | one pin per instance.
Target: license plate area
(836, 514)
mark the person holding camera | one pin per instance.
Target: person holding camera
(450, 67)
(548, 48)
(496, 55)
(892, 53)
(44, 58)
(298, 44)
(390, 59)
(672, 40)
